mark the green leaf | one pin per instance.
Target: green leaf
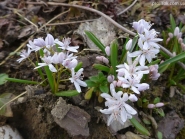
(156, 100)
(40, 72)
(6, 110)
(159, 135)
(50, 78)
(21, 81)
(160, 112)
(3, 77)
(172, 22)
(101, 67)
(154, 62)
(90, 83)
(134, 42)
(114, 56)
(95, 40)
(141, 129)
(124, 52)
(68, 93)
(171, 60)
(88, 94)
(104, 88)
(79, 66)
(94, 78)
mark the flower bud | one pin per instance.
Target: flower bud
(170, 35)
(119, 83)
(132, 98)
(102, 59)
(183, 46)
(160, 104)
(114, 83)
(180, 40)
(110, 78)
(129, 45)
(151, 106)
(107, 50)
(167, 41)
(176, 31)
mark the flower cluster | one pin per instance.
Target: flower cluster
(130, 73)
(57, 55)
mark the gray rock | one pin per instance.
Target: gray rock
(71, 118)
(170, 125)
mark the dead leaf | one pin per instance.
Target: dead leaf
(6, 110)
(27, 31)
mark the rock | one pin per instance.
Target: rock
(129, 135)
(7, 132)
(101, 28)
(71, 118)
(170, 125)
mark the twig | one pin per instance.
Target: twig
(126, 9)
(23, 44)
(15, 11)
(89, 9)
(171, 55)
(73, 22)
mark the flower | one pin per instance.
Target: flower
(47, 62)
(69, 61)
(154, 75)
(33, 47)
(118, 109)
(48, 42)
(129, 45)
(110, 78)
(133, 82)
(149, 38)
(177, 32)
(131, 68)
(146, 52)
(132, 98)
(141, 25)
(107, 50)
(76, 79)
(24, 54)
(65, 45)
(103, 59)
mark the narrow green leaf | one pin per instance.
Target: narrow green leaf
(172, 60)
(134, 42)
(50, 78)
(95, 40)
(21, 81)
(172, 22)
(124, 52)
(141, 129)
(3, 78)
(154, 62)
(114, 56)
(104, 88)
(101, 67)
(68, 93)
(79, 66)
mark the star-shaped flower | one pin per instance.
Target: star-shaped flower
(118, 109)
(76, 79)
(24, 54)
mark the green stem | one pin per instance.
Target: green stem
(64, 80)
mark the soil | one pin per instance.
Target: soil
(32, 114)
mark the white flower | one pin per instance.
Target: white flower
(47, 62)
(48, 42)
(141, 25)
(149, 38)
(24, 54)
(70, 61)
(154, 75)
(129, 45)
(76, 79)
(58, 58)
(177, 32)
(131, 68)
(107, 50)
(103, 59)
(132, 98)
(133, 82)
(118, 109)
(146, 52)
(33, 47)
(65, 45)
